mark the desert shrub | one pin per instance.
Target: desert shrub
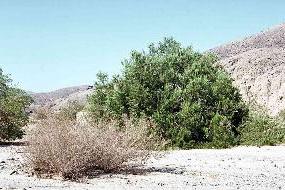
(40, 113)
(261, 129)
(67, 112)
(222, 134)
(62, 147)
(180, 89)
(282, 115)
(70, 110)
(13, 116)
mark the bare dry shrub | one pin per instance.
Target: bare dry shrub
(62, 147)
(41, 113)
(70, 110)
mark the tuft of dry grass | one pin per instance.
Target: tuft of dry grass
(40, 113)
(63, 147)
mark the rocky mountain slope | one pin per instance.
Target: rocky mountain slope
(60, 98)
(257, 64)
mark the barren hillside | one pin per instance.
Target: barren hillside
(257, 64)
(61, 97)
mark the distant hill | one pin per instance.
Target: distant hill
(61, 97)
(257, 64)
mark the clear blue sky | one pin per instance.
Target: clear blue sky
(49, 44)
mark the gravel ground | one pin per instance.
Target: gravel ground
(236, 168)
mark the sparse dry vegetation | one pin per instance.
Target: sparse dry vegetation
(70, 111)
(62, 147)
(40, 113)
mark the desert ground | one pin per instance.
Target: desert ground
(235, 168)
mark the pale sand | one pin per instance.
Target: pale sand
(236, 168)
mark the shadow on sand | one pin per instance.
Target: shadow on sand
(135, 171)
(9, 143)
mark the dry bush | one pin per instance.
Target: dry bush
(41, 113)
(62, 147)
(70, 110)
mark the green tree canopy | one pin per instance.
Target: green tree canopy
(191, 100)
(13, 102)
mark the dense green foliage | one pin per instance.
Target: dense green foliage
(192, 101)
(260, 129)
(13, 102)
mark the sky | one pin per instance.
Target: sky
(50, 44)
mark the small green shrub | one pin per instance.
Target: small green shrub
(222, 134)
(282, 115)
(260, 129)
(13, 116)
(192, 101)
